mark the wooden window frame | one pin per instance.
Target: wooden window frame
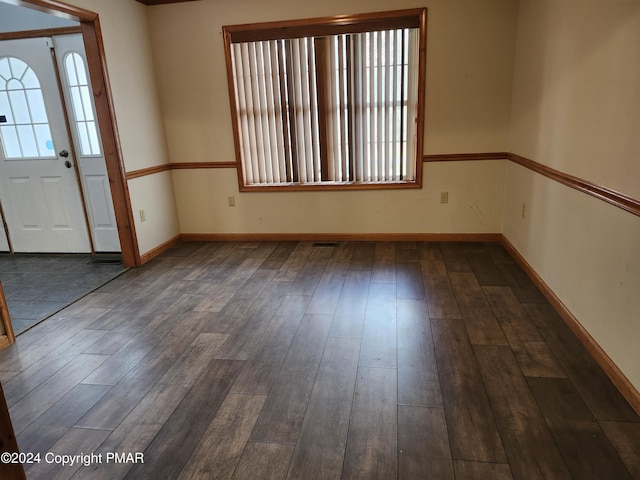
(324, 26)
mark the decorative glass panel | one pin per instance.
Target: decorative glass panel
(10, 142)
(86, 102)
(82, 105)
(5, 106)
(76, 101)
(18, 67)
(83, 135)
(13, 84)
(36, 106)
(71, 70)
(93, 138)
(27, 141)
(5, 72)
(29, 80)
(26, 132)
(43, 137)
(18, 101)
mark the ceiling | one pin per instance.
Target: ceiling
(17, 19)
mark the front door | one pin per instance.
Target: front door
(78, 96)
(39, 187)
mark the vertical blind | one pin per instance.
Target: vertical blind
(337, 108)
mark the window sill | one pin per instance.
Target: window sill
(329, 186)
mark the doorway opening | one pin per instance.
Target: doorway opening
(89, 28)
(54, 187)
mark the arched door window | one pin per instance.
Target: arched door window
(24, 126)
(82, 105)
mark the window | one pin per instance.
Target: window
(24, 126)
(330, 103)
(80, 94)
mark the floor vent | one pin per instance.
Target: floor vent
(325, 244)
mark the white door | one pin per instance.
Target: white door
(76, 87)
(38, 182)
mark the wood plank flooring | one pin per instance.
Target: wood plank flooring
(295, 360)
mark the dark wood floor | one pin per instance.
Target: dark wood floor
(295, 360)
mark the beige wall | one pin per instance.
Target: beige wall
(154, 195)
(469, 71)
(135, 95)
(474, 207)
(575, 108)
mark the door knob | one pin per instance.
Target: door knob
(64, 153)
(68, 164)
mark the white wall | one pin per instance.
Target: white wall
(468, 95)
(575, 108)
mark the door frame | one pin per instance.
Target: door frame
(105, 112)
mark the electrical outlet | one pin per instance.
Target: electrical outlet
(524, 210)
(444, 197)
(231, 201)
(143, 216)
